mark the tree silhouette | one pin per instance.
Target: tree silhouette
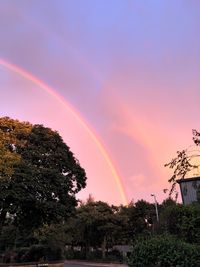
(39, 175)
(182, 164)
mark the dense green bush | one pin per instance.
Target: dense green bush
(164, 252)
(182, 221)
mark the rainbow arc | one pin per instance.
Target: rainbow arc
(94, 137)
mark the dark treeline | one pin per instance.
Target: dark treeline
(41, 218)
(95, 229)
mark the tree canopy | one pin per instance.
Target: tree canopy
(39, 175)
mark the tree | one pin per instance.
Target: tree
(39, 175)
(182, 164)
(93, 226)
(135, 220)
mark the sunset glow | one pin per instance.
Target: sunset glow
(77, 117)
(119, 80)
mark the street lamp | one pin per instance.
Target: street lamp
(156, 206)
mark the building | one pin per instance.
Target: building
(189, 188)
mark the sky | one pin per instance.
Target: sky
(118, 79)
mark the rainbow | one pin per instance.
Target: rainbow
(27, 75)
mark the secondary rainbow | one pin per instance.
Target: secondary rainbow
(27, 75)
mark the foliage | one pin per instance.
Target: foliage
(98, 225)
(94, 255)
(94, 225)
(135, 221)
(53, 235)
(181, 165)
(168, 202)
(8, 238)
(39, 179)
(182, 221)
(39, 176)
(38, 253)
(164, 251)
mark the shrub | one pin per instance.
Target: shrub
(182, 221)
(164, 251)
(38, 253)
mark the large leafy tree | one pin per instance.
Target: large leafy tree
(93, 226)
(39, 175)
(136, 220)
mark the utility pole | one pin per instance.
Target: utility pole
(156, 206)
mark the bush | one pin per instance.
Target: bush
(69, 254)
(182, 221)
(38, 253)
(114, 256)
(164, 252)
(95, 255)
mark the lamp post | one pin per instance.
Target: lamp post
(156, 206)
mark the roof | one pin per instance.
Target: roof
(185, 180)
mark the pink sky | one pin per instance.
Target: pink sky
(130, 69)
